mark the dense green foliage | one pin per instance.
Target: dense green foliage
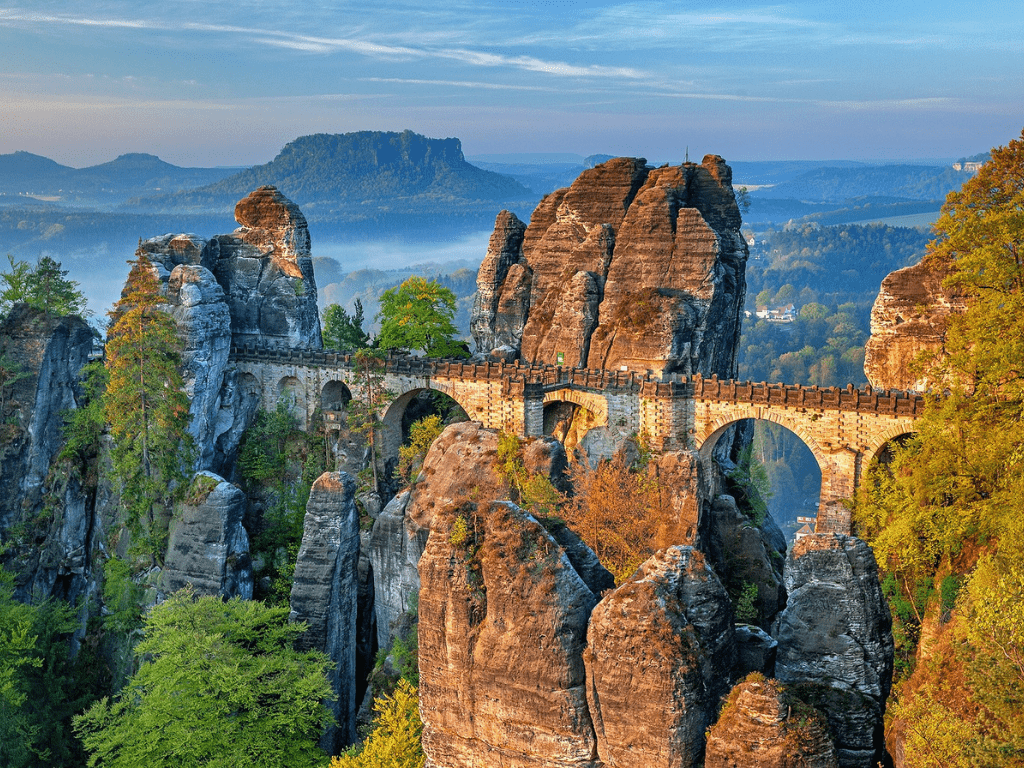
(421, 435)
(45, 286)
(949, 501)
(344, 331)
(220, 685)
(41, 686)
(417, 315)
(279, 462)
(146, 407)
(823, 346)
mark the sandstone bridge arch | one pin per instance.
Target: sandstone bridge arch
(843, 428)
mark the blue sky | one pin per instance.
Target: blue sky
(205, 82)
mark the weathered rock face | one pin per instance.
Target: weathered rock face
(51, 351)
(630, 266)
(503, 624)
(460, 465)
(659, 650)
(198, 308)
(835, 641)
(760, 728)
(909, 316)
(325, 592)
(750, 556)
(207, 545)
(266, 271)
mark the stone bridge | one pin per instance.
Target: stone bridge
(843, 428)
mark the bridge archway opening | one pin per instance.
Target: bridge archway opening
(780, 462)
(569, 423)
(291, 392)
(405, 411)
(335, 396)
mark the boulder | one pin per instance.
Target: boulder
(909, 318)
(503, 624)
(630, 267)
(207, 545)
(835, 641)
(266, 271)
(660, 650)
(755, 651)
(325, 593)
(762, 726)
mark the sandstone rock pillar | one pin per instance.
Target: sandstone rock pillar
(835, 641)
(325, 592)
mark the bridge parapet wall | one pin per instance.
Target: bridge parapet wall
(843, 428)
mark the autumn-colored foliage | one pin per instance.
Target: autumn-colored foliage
(146, 405)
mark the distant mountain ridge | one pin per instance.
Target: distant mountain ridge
(130, 175)
(836, 185)
(354, 176)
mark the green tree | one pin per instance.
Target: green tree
(418, 315)
(46, 287)
(422, 434)
(221, 684)
(146, 406)
(342, 330)
(370, 397)
(949, 500)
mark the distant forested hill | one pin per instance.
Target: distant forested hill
(363, 176)
(132, 175)
(913, 182)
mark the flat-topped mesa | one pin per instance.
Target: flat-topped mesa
(631, 267)
(266, 271)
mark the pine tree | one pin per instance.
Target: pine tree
(46, 287)
(146, 406)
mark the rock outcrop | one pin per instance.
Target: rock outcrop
(207, 545)
(503, 624)
(835, 641)
(631, 267)
(657, 647)
(462, 464)
(325, 590)
(266, 271)
(761, 727)
(198, 308)
(255, 285)
(43, 356)
(909, 317)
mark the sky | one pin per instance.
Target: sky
(214, 83)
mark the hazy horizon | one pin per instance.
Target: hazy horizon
(211, 83)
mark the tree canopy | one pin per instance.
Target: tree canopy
(220, 685)
(945, 512)
(45, 286)
(418, 315)
(342, 330)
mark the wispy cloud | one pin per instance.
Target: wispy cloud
(328, 45)
(462, 84)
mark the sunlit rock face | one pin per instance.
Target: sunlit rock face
(503, 626)
(266, 271)
(659, 651)
(909, 319)
(631, 266)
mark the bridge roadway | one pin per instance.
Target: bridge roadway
(843, 428)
